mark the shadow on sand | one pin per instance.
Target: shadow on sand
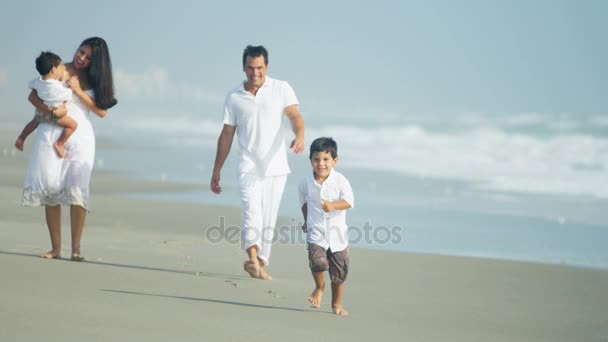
(259, 306)
(146, 268)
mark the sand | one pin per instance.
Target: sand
(152, 275)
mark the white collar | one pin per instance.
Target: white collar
(267, 83)
(329, 180)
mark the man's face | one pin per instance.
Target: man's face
(255, 68)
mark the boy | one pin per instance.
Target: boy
(325, 195)
(53, 92)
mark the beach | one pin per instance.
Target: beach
(152, 273)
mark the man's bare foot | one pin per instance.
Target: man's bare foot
(59, 149)
(264, 275)
(339, 310)
(51, 255)
(315, 298)
(252, 268)
(19, 144)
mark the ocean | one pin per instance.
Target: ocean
(492, 189)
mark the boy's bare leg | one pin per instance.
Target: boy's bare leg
(53, 221)
(27, 130)
(263, 274)
(69, 126)
(252, 266)
(19, 143)
(317, 294)
(336, 299)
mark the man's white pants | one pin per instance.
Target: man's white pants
(260, 201)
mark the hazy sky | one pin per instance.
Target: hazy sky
(383, 58)
(507, 94)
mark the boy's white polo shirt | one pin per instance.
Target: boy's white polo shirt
(328, 230)
(259, 126)
(52, 92)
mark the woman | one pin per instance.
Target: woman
(52, 181)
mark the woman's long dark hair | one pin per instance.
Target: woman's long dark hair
(99, 73)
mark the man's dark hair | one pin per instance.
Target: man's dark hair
(47, 61)
(255, 51)
(324, 145)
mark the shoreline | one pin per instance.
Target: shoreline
(128, 186)
(183, 196)
(150, 274)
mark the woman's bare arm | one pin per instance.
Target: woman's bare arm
(74, 84)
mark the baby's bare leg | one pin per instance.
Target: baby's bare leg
(19, 143)
(69, 126)
(27, 130)
(336, 299)
(317, 294)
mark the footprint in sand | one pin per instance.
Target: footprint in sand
(274, 294)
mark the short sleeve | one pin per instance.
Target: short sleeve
(303, 192)
(289, 96)
(229, 117)
(32, 83)
(346, 192)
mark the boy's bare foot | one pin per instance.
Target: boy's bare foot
(19, 144)
(315, 298)
(59, 149)
(50, 255)
(252, 268)
(339, 310)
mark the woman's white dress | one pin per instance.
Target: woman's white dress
(50, 180)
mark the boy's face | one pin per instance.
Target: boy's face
(59, 72)
(322, 163)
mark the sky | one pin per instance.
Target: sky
(497, 93)
(429, 57)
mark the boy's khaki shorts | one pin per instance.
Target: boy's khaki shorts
(45, 118)
(321, 260)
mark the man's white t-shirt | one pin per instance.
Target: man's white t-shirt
(259, 126)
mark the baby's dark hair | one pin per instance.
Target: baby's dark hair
(324, 145)
(46, 61)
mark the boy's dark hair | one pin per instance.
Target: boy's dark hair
(324, 145)
(255, 51)
(46, 61)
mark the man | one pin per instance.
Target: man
(254, 111)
